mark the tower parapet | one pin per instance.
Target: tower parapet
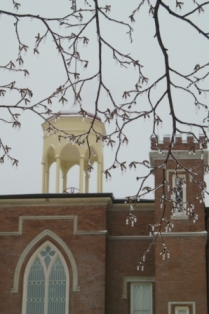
(180, 143)
(182, 168)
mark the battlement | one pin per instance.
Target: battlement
(180, 144)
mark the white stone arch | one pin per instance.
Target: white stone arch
(46, 154)
(71, 147)
(49, 158)
(97, 151)
(96, 159)
(69, 157)
(75, 287)
(73, 177)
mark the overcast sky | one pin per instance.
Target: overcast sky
(185, 47)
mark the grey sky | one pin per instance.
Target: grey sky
(186, 49)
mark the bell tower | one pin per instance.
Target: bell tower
(69, 148)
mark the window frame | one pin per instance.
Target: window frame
(177, 308)
(183, 214)
(47, 273)
(131, 294)
(191, 305)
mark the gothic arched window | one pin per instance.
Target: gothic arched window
(46, 282)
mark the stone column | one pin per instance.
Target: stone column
(99, 177)
(81, 173)
(43, 177)
(47, 174)
(57, 174)
(87, 182)
(64, 180)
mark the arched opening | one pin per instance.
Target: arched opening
(69, 154)
(73, 179)
(69, 157)
(63, 245)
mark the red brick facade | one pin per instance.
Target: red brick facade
(91, 230)
(182, 278)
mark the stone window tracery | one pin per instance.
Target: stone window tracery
(46, 283)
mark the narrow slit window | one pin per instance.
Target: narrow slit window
(179, 194)
(179, 190)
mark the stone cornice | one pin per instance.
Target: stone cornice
(178, 154)
(36, 202)
(184, 234)
(138, 207)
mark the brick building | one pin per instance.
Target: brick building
(73, 253)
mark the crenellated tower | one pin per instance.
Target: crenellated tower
(181, 195)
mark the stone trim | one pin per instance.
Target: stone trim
(164, 234)
(142, 237)
(138, 207)
(184, 234)
(26, 274)
(75, 225)
(36, 202)
(179, 171)
(76, 287)
(178, 154)
(134, 279)
(179, 216)
(193, 305)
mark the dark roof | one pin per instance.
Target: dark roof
(69, 195)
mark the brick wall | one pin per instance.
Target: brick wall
(89, 251)
(105, 259)
(181, 278)
(125, 246)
